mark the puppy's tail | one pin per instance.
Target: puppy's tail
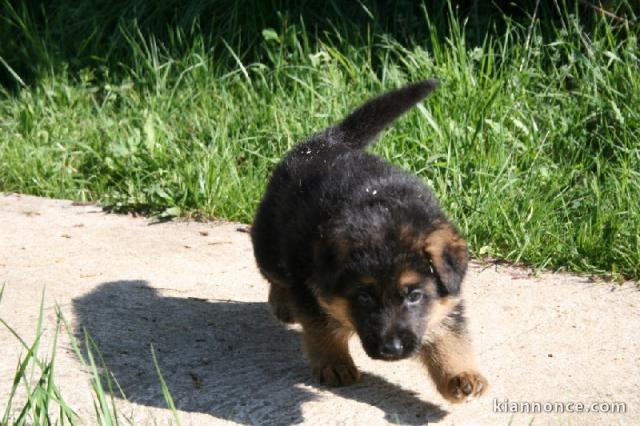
(363, 125)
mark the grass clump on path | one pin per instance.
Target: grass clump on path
(41, 401)
(531, 142)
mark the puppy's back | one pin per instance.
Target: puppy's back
(320, 175)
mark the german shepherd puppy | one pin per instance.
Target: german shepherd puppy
(351, 244)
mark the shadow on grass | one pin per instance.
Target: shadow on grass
(232, 360)
(77, 35)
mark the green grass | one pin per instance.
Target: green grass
(531, 142)
(35, 381)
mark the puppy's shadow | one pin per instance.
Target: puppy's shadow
(232, 360)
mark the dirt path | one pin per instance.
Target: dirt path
(192, 290)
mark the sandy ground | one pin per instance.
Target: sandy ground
(193, 291)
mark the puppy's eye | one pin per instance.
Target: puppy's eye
(415, 296)
(365, 298)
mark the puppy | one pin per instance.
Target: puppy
(351, 244)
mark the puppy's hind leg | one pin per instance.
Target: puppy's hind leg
(448, 355)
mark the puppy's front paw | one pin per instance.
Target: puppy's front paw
(336, 374)
(465, 387)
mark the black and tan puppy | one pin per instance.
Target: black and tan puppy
(350, 243)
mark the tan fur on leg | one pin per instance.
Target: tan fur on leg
(449, 358)
(326, 344)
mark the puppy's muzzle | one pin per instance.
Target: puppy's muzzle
(392, 348)
(396, 346)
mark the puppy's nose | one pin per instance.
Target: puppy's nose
(392, 347)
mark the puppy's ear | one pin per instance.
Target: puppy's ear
(449, 257)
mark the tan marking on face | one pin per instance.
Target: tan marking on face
(338, 309)
(409, 278)
(368, 280)
(439, 309)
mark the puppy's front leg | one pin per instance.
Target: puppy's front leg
(448, 355)
(325, 344)
(280, 301)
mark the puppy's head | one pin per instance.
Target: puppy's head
(391, 287)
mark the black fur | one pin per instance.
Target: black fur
(363, 125)
(333, 213)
